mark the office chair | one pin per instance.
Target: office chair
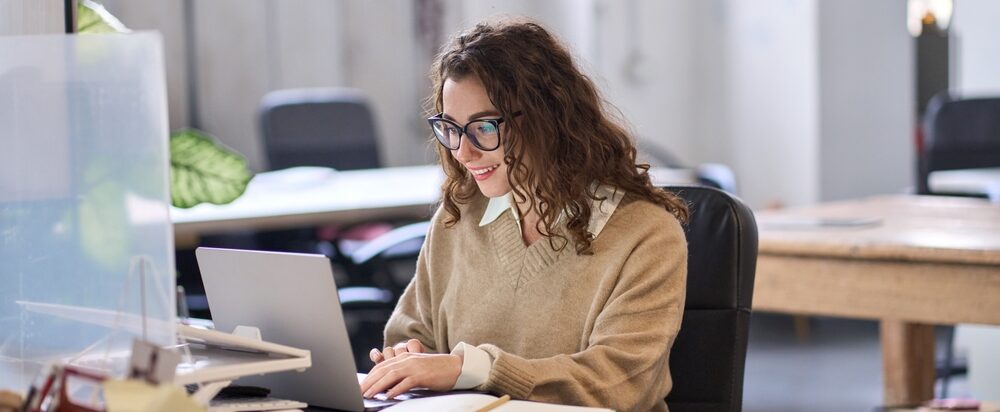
(707, 360)
(958, 133)
(717, 175)
(329, 127)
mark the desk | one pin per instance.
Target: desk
(985, 181)
(310, 196)
(926, 260)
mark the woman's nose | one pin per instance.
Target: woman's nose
(466, 151)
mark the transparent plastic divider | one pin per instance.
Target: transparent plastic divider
(86, 242)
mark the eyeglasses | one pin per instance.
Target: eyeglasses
(484, 134)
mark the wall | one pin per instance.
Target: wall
(31, 17)
(773, 100)
(974, 24)
(866, 85)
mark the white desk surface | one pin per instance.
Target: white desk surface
(307, 196)
(985, 181)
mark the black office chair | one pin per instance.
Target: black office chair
(707, 360)
(958, 133)
(330, 127)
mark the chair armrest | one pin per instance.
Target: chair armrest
(386, 241)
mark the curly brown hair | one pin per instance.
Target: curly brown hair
(572, 134)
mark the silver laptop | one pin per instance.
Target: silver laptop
(293, 300)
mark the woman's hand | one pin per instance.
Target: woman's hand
(409, 370)
(411, 346)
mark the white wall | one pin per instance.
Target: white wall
(31, 17)
(974, 23)
(866, 116)
(774, 100)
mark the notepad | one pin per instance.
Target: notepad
(472, 401)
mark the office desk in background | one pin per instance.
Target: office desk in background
(924, 260)
(985, 182)
(312, 196)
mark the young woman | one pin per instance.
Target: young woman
(553, 271)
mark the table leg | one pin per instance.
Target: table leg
(907, 362)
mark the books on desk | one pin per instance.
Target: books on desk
(466, 402)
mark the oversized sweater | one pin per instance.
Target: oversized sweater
(574, 329)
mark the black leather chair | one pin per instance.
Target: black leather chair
(707, 360)
(958, 133)
(330, 127)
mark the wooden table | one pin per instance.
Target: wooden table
(909, 261)
(311, 196)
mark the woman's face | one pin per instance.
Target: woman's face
(466, 100)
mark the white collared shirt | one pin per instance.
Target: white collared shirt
(476, 363)
(601, 210)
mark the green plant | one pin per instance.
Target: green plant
(201, 169)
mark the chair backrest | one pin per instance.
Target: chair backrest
(958, 134)
(331, 127)
(708, 357)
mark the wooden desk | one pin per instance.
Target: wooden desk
(985, 181)
(310, 196)
(928, 260)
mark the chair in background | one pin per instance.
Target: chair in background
(708, 358)
(958, 133)
(332, 127)
(329, 127)
(715, 175)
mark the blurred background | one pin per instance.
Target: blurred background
(804, 101)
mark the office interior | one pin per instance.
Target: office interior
(783, 104)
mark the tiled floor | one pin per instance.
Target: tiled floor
(837, 368)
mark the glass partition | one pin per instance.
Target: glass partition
(85, 238)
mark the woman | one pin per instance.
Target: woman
(553, 271)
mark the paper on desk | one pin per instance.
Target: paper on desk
(472, 401)
(812, 223)
(137, 396)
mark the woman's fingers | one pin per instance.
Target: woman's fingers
(433, 371)
(388, 353)
(380, 381)
(414, 346)
(376, 356)
(401, 387)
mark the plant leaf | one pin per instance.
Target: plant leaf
(93, 18)
(202, 171)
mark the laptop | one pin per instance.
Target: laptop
(292, 299)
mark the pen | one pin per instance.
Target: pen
(493, 405)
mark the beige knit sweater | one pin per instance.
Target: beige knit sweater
(583, 330)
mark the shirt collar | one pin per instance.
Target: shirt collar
(600, 211)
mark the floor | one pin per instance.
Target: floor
(838, 367)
